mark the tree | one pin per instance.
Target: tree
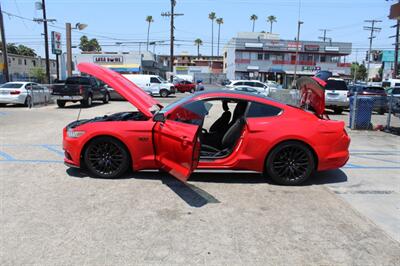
(26, 51)
(198, 42)
(87, 45)
(149, 20)
(253, 18)
(38, 73)
(21, 49)
(271, 19)
(219, 22)
(360, 71)
(212, 16)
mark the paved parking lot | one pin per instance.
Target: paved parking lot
(58, 216)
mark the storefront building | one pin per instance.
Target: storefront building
(265, 56)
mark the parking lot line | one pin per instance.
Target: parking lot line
(6, 156)
(51, 148)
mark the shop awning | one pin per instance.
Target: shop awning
(124, 67)
(276, 70)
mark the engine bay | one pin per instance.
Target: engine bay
(121, 116)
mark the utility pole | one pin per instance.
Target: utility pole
(396, 50)
(171, 14)
(372, 30)
(69, 49)
(4, 48)
(46, 42)
(297, 49)
(324, 38)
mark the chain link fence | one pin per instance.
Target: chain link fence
(393, 113)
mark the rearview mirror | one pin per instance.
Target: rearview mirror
(159, 117)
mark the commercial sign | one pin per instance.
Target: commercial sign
(253, 45)
(294, 45)
(56, 43)
(275, 44)
(331, 49)
(388, 56)
(311, 68)
(108, 59)
(311, 47)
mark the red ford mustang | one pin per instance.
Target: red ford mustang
(220, 130)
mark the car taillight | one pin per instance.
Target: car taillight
(15, 92)
(80, 89)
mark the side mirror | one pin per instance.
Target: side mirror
(159, 117)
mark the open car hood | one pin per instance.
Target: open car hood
(312, 94)
(127, 89)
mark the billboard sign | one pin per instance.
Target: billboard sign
(311, 47)
(56, 43)
(294, 46)
(108, 59)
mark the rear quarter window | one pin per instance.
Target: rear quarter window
(262, 110)
(78, 81)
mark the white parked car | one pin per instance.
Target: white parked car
(26, 93)
(336, 97)
(248, 90)
(260, 86)
(152, 84)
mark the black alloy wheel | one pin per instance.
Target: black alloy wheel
(61, 103)
(290, 163)
(106, 157)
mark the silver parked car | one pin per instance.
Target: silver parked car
(26, 93)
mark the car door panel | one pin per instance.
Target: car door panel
(177, 147)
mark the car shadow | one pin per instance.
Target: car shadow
(197, 197)
(78, 106)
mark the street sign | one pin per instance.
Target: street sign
(56, 43)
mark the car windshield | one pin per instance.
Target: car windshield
(174, 104)
(12, 85)
(337, 85)
(162, 80)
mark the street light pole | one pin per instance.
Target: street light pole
(4, 48)
(297, 49)
(46, 42)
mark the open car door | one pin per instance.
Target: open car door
(312, 94)
(177, 147)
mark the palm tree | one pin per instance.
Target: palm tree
(253, 18)
(271, 19)
(212, 16)
(149, 19)
(219, 22)
(198, 42)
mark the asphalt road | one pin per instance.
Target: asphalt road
(52, 215)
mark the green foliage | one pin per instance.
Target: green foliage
(21, 49)
(38, 73)
(359, 70)
(212, 16)
(87, 45)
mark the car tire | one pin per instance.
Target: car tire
(290, 163)
(338, 111)
(106, 157)
(88, 102)
(164, 93)
(61, 104)
(106, 98)
(28, 101)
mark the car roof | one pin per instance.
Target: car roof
(19, 82)
(246, 80)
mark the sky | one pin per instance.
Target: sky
(113, 21)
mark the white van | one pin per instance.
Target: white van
(390, 83)
(152, 84)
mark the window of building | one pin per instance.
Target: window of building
(245, 55)
(25, 62)
(260, 56)
(19, 61)
(34, 63)
(262, 110)
(266, 57)
(323, 58)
